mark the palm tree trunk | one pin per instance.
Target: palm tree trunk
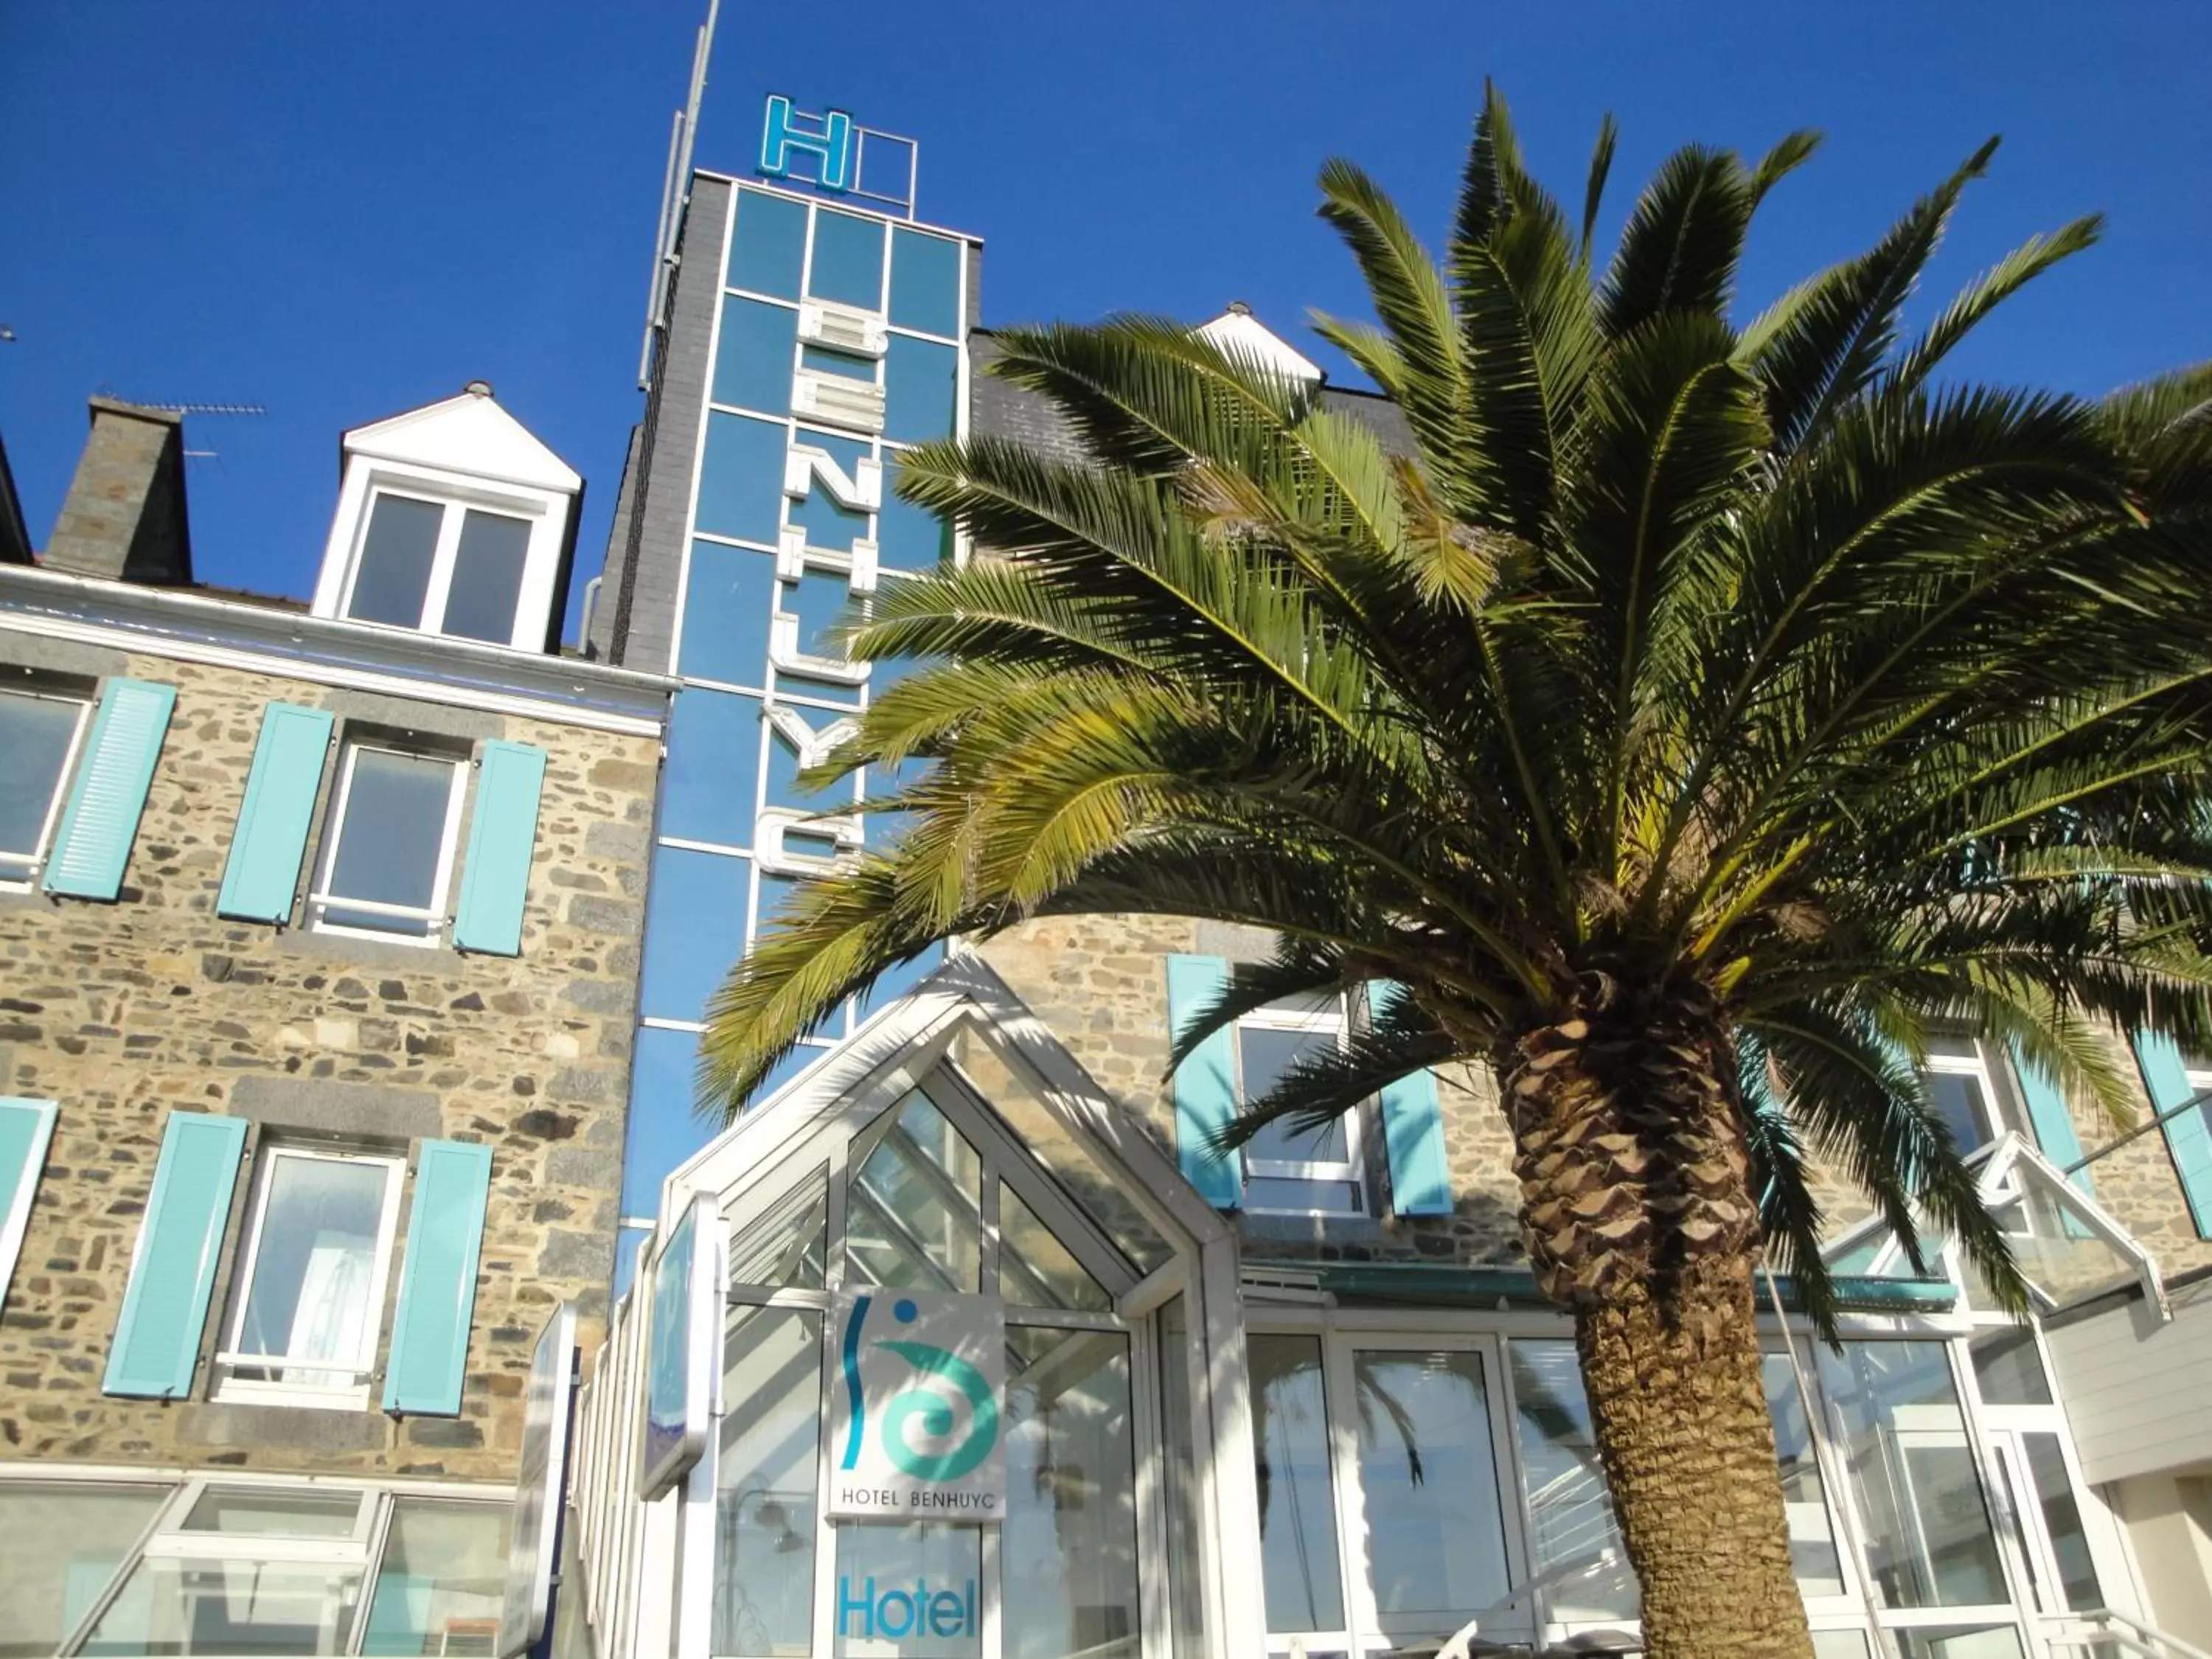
(1638, 1214)
(1680, 1416)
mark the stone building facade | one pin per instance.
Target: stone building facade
(293, 1108)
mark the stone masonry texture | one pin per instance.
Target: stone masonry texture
(1100, 983)
(122, 1013)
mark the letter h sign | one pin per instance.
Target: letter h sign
(831, 144)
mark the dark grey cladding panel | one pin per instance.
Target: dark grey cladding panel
(645, 607)
(1000, 409)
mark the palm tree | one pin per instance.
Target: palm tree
(1695, 716)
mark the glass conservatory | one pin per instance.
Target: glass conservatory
(1194, 1452)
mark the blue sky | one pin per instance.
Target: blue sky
(339, 211)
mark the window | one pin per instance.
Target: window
(388, 857)
(1296, 1171)
(40, 731)
(441, 566)
(309, 1291)
(1958, 1082)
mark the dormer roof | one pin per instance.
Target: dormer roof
(467, 433)
(1238, 332)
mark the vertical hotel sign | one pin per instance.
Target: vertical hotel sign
(917, 1418)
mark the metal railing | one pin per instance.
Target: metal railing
(2103, 1633)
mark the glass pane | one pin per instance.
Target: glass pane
(390, 843)
(785, 1244)
(1263, 1056)
(1839, 1644)
(694, 923)
(230, 1608)
(1958, 1642)
(2061, 1257)
(768, 246)
(2062, 1521)
(314, 1269)
(35, 733)
(710, 782)
(1579, 1561)
(394, 573)
(752, 359)
(265, 1512)
(1277, 1193)
(1812, 1540)
(914, 1213)
(1929, 1540)
(765, 1496)
(849, 260)
(487, 577)
(924, 282)
(442, 1579)
(727, 597)
(741, 477)
(1428, 1480)
(1298, 1506)
(1960, 1102)
(1179, 1482)
(838, 362)
(922, 391)
(1067, 1552)
(1035, 1268)
(2007, 1368)
(64, 1542)
(913, 1590)
(909, 538)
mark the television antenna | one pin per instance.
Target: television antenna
(191, 409)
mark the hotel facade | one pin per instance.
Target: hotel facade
(1305, 1401)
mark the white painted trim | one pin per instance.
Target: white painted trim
(156, 1474)
(17, 1219)
(189, 627)
(321, 899)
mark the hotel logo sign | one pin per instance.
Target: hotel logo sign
(827, 138)
(917, 1406)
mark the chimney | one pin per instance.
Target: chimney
(124, 518)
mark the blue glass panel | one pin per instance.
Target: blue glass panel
(714, 767)
(752, 360)
(828, 524)
(895, 983)
(730, 593)
(925, 282)
(837, 362)
(820, 599)
(664, 1127)
(693, 930)
(849, 260)
(782, 788)
(775, 891)
(741, 477)
(922, 383)
(769, 244)
(909, 538)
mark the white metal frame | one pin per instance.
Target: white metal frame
(19, 871)
(281, 1389)
(15, 1220)
(1977, 1065)
(322, 900)
(545, 511)
(163, 1539)
(1351, 1170)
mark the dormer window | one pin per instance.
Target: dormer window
(454, 520)
(441, 566)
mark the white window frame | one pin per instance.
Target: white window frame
(1351, 1170)
(17, 872)
(546, 512)
(321, 899)
(229, 1386)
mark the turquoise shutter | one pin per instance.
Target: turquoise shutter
(1413, 1136)
(263, 874)
(1206, 1084)
(438, 1283)
(165, 1306)
(495, 880)
(2047, 1114)
(98, 826)
(26, 1125)
(2186, 1136)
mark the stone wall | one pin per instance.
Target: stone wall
(1100, 983)
(123, 1012)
